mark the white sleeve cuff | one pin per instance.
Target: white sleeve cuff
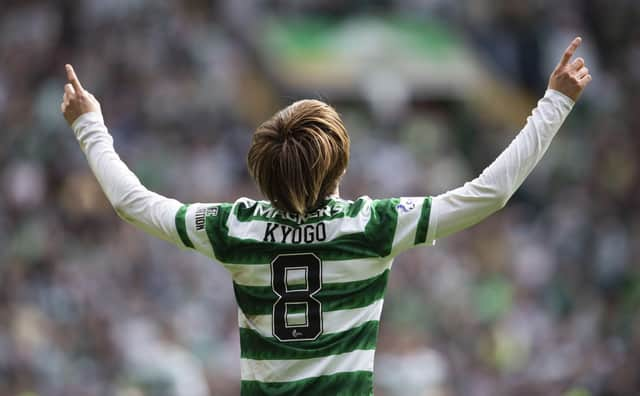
(558, 96)
(86, 118)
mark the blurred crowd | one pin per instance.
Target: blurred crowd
(540, 299)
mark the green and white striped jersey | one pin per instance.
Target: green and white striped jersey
(309, 289)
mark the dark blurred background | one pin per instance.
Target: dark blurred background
(540, 299)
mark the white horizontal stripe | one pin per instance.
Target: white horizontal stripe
(295, 370)
(332, 322)
(332, 271)
(255, 229)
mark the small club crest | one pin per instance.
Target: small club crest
(406, 205)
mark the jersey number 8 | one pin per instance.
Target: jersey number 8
(297, 314)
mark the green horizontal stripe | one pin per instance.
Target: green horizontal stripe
(181, 226)
(356, 383)
(375, 240)
(423, 223)
(256, 347)
(259, 300)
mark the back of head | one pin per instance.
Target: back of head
(298, 156)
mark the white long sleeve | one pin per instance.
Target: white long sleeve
(465, 206)
(151, 212)
(452, 211)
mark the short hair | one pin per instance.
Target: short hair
(298, 156)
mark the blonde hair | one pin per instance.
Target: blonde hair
(298, 156)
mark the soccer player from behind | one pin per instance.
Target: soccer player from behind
(309, 268)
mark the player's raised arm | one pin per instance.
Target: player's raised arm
(132, 201)
(477, 199)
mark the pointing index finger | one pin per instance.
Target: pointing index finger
(571, 49)
(73, 79)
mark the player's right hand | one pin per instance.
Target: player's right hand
(570, 78)
(76, 100)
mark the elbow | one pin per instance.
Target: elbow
(120, 208)
(500, 201)
(126, 205)
(495, 198)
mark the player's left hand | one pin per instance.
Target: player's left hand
(76, 100)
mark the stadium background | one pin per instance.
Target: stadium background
(541, 299)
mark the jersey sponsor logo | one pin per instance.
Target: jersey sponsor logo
(406, 205)
(308, 233)
(269, 212)
(201, 215)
